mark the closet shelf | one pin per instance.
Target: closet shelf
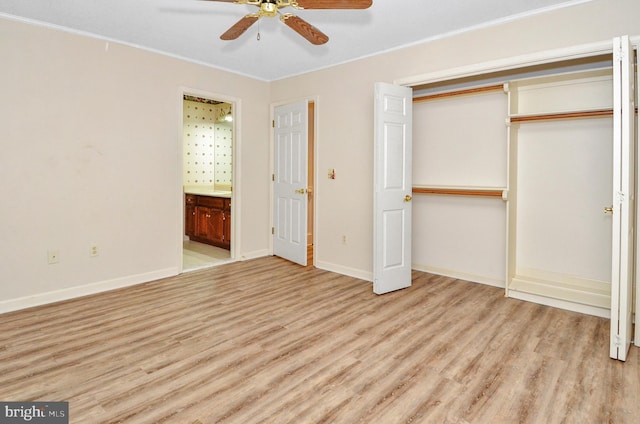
(561, 115)
(445, 94)
(460, 191)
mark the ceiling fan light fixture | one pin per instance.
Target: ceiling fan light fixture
(268, 9)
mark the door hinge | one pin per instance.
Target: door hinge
(273, 123)
(618, 54)
(273, 177)
(617, 341)
(273, 230)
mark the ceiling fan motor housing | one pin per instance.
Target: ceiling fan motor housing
(269, 8)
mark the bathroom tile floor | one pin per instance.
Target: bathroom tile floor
(199, 255)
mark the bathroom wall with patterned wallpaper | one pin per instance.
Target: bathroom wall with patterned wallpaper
(207, 144)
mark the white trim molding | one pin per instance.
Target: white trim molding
(40, 299)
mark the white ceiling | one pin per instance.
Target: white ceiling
(190, 29)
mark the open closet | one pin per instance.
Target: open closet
(560, 182)
(523, 178)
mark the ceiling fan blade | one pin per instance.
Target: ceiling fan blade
(304, 28)
(240, 27)
(335, 4)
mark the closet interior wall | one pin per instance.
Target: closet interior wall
(560, 182)
(459, 173)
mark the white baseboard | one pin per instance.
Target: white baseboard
(344, 270)
(254, 255)
(561, 304)
(84, 290)
(368, 276)
(474, 278)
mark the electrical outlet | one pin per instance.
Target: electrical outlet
(53, 256)
(94, 251)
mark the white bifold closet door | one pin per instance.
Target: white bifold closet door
(392, 188)
(622, 247)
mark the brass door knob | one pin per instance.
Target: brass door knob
(301, 191)
(608, 210)
(407, 198)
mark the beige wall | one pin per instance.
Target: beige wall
(84, 164)
(345, 109)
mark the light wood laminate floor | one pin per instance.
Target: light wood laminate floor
(267, 341)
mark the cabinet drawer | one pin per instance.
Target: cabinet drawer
(212, 202)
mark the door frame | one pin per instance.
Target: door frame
(236, 180)
(313, 141)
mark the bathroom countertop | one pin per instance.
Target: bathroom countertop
(207, 191)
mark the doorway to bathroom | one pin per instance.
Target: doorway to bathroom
(207, 180)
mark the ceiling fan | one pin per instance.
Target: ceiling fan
(271, 8)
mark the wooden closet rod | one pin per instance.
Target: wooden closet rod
(567, 115)
(458, 93)
(482, 192)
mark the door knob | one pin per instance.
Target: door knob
(407, 198)
(608, 210)
(301, 191)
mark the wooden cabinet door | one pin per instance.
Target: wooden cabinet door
(227, 223)
(215, 229)
(210, 221)
(190, 220)
(209, 224)
(203, 215)
(190, 215)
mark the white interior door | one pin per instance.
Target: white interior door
(392, 188)
(290, 182)
(622, 274)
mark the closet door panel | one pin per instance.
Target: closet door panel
(564, 183)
